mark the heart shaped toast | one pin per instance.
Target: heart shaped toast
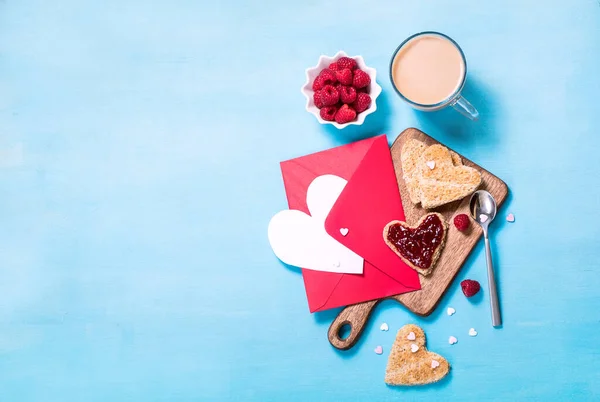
(419, 246)
(410, 363)
(445, 182)
(410, 157)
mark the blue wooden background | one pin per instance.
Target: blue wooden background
(139, 150)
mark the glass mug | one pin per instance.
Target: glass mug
(428, 70)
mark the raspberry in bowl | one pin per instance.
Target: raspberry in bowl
(341, 90)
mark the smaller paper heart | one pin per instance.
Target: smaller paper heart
(510, 218)
(483, 218)
(344, 231)
(414, 347)
(379, 350)
(411, 336)
(430, 164)
(450, 311)
(452, 340)
(472, 332)
(384, 327)
(434, 364)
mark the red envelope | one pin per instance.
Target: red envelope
(368, 202)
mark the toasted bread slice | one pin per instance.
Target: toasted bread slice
(423, 270)
(410, 156)
(405, 367)
(446, 182)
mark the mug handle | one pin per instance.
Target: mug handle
(464, 107)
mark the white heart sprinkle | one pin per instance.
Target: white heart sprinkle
(510, 218)
(450, 311)
(430, 164)
(344, 231)
(414, 347)
(434, 364)
(452, 340)
(384, 327)
(483, 218)
(378, 350)
(411, 336)
(472, 332)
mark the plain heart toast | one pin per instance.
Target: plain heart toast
(410, 363)
(445, 182)
(410, 157)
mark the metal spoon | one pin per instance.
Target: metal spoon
(483, 211)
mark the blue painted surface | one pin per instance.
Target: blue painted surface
(136, 137)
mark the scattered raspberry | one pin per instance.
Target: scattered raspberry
(345, 114)
(334, 66)
(328, 113)
(318, 99)
(346, 62)
(344, 76)
(470, 287)
(361, 79)
(328, 77)
(362, 102)
(329, 95)
(317, 83)
(462, 222)
(347, 94)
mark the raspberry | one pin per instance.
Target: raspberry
(345, 114)
(344, 76)
(328, 113)
(346, 62)
(318, 99)
(328, 77)
(334, 66)
(347, 94)
(462, 222)
(329, 95)
(317, 83)
(470, 287)
(362, 102)
(361, 79)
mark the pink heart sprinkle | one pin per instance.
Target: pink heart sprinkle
(379, 350)
(510, 218)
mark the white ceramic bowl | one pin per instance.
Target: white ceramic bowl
(324, 62)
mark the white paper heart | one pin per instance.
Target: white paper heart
(452, 340)
(450, 311)
(411, 336)
(472, 332)
(434, 364)
(414, 347)
(384, 327)
(301, 240)
(344, 231)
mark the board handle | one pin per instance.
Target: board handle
(355, 316)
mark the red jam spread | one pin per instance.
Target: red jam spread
(418, 244)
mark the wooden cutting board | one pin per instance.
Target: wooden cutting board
(457, 249)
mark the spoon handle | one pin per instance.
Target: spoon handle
(496, 319)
